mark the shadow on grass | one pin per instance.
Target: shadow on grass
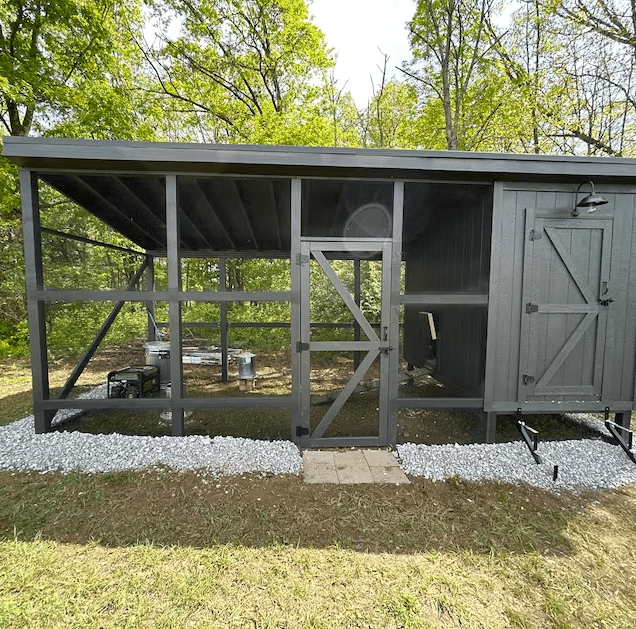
(15, 406)
(167, 509)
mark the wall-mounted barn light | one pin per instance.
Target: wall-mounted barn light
(591, 201)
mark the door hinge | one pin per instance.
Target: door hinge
(302, 347)
(301, 431)
(527, 380)
(302, 259)
(535, 234)
(530, 308)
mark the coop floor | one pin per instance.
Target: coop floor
(357, 418)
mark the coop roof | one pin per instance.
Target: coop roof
(235, 197)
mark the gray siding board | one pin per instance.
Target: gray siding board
(506, 336)
(493, 302)
(519, 237)
(625, 274)
(504, 332)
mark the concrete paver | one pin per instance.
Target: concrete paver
(392, 475)
(319, 467)
(352, 467)
(380, 458)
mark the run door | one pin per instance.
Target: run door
(345, 383)
(566, 313)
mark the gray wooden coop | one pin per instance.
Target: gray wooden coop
(512, 277)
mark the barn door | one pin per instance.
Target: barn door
(334, 423)
(567, 302)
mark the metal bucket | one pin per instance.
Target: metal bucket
(158, 353)
(246, 366)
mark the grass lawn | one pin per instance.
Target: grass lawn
(160, 549)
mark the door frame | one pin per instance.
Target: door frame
(592, 310)
(376, 345)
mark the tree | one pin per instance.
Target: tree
(455, 63)
(56, 56)
(239, 69)
(575, 76)
(341, 112)
(67, 67)
(603, 47)
(388, 119)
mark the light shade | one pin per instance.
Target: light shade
(591, 201)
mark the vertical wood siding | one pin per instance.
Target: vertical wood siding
(451, 255)
(507, 297)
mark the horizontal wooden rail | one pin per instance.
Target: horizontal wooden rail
(444, 299)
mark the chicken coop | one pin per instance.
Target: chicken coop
(509, 279)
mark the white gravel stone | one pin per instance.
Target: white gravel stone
(586, 463)
(583, 464)
(22, 449)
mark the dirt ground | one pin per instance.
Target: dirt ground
(330, 373)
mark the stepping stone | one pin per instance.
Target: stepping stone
(385, 467)
(352, 467)
(318, 467)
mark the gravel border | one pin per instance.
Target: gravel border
(583, 464)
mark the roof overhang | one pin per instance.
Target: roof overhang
(162, 157)
(236, 198)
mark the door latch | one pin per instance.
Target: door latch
(604, 291)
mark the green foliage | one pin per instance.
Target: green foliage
(388, 121)
(14, 339)
(66, 338)
(12, 302)
(53, 57)
(452, 46)
(245, 70)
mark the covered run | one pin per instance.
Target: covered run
(490, 280)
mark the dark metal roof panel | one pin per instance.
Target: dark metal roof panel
(57, 153)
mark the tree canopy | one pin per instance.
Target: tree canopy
(557, 78)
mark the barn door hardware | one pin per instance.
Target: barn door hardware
(301, 431)
(607, 301)
(619, 432)
(531, 437)
(385, 337)
(302, 347)
(527, 379)
(535, 234)
(530, 308)
(302, 259)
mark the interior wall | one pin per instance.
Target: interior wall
(447, 235)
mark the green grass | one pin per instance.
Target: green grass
(161, 549)
(15, 385)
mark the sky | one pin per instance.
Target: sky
(355, 29)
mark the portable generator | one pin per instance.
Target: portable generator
(133, 382)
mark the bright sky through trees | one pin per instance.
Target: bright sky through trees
(357, 30)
